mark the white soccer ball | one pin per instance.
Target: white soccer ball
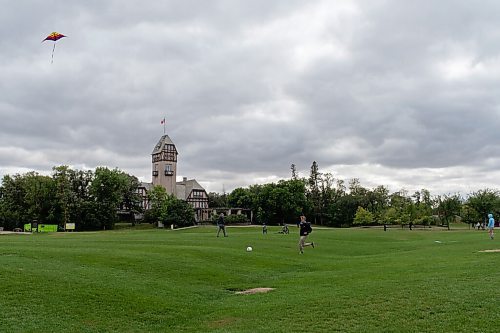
(249, 249)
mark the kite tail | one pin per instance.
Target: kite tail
(53, 49)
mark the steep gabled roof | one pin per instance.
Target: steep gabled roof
(185, 187)
(164, 140)
(147, 186)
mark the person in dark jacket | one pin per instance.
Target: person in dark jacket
(221, 225)
(305, 230)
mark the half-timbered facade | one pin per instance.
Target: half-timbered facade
(164, 161)
(164, 173)
(192, 192)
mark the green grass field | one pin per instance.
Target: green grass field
(355, 280)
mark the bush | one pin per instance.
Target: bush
(427, 220)
(235, 219)
(9, 220)
(150, 217)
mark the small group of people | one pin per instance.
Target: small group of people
(479, 226)
(305, 230)
(284, 229)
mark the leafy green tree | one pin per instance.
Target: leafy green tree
(289, 198)
(13, 207)
(449, 206)
(131, 202)
(274, 203)
(402, 203)
(108, 188)
(64, 194)
(82, 204)
(329, 192)
(40, 197)
(391, 216)
(177, 212)
(241, 198)
(158, 198)
(378, 201)
(217, 200)
(424, 205)
(469, 215)
(295, 175)
(363, 217)
(343, 210)
(314, 193)
(484, 202)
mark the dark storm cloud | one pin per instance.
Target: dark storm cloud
(381, 91)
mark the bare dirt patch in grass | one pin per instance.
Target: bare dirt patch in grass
(495, 250)
(254, 291)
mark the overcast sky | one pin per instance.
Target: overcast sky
(398, 93)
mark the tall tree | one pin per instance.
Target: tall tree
(13, 206)
(64, 193)
(177, 212)
(314, 193)
(157, 197)
(240, 197)
(403, 205)
(217, 200)
(363, 217)
(108, 188)
(131, 199)
(295, 176)
(378, 201)
(449, 206)
(484, 202)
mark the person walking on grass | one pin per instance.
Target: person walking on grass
(221, 225)
(491, 225)
(305, 230)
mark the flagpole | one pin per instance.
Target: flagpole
(164, 126)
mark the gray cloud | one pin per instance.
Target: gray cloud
(394, 93)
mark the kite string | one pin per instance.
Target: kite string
(53, 53)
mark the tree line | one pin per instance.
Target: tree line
(90, 199)
(96, 200)
(93, 200)
(329, 201)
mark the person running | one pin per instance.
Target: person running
(221, 225)
(491, 225)
(305, 230)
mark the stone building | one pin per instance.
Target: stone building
(164, 173)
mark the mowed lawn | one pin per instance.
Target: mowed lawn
(355, 280)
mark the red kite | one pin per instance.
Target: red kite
(55, 36)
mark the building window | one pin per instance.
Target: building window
(168, 170)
